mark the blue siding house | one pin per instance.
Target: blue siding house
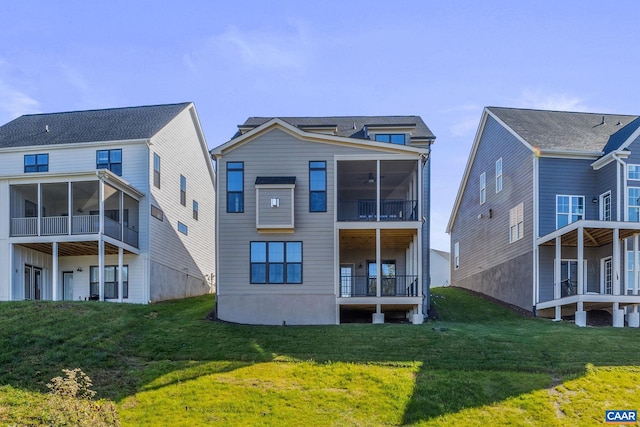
(547, 216)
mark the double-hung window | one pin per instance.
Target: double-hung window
(276, 262)
(483, 188)
(110, 159)
(36, 163)
(156, 170)
(633, 204)
(183, 190)
(569, 209)
(516, 223)
(499, 175)
(317, 186)
(235, 187)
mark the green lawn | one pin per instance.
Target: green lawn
(166, 364)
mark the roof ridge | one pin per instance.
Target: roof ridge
(562, 111)
(107, 109)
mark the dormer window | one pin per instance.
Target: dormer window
(393, 138)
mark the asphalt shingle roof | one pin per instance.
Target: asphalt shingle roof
(88, 126)
(563, 130)
(349, 126)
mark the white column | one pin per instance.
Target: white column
(69, 207)
(101, 263)
(101, 209)
(120, 262)
(581, 289)
(39, 213)
(557, 269)
(378, 266)
(54, 272)
(10, 276)
(557, 277)
(378, 201)
(636, 261)
(581, 315)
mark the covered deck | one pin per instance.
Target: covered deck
(613, 246)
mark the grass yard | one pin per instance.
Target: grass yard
(166, 364)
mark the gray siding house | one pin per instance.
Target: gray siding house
(320, 219)
(114, 204)
(547, 214)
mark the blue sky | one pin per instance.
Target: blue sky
(441, 60)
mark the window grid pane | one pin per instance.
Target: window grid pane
(235, 187)
(275, 262)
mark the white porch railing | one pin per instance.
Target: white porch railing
(24, 227)
(54, 225)
(85, 224)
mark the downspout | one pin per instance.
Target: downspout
(426, 231)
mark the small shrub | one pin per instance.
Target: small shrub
(70, 403)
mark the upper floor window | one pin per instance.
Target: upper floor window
(110, 159)
(276, 262)
(156, 170)
(499, 175)
(183, 190)
(516, 223)
(633, 172)
(317, 186)
(483, 188)
(456, 255)
(195, 210)
(183, 228)
(235, 187)
(36, 163)
(605, 206)
(633, 204)
(394, 138)
(569, 209)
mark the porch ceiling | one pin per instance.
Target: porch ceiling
(593, 237)
(73, 248)
(391, 239)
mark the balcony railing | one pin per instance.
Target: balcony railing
(85, 224)
(364, 286)
(80, 224)
(54, 225)
(365, 210)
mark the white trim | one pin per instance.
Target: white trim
(456, 255)
(483, 188)
(499, 187)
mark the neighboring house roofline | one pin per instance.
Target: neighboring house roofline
(309, 136)
(32, 148)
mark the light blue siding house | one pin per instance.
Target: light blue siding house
(547, 216)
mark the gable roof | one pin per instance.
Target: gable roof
(567, 131)
(252, 132)
(349, 126)
(115, 124)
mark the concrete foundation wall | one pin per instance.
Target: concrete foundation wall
(276, 309)
(170, 283)
(511, 281)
